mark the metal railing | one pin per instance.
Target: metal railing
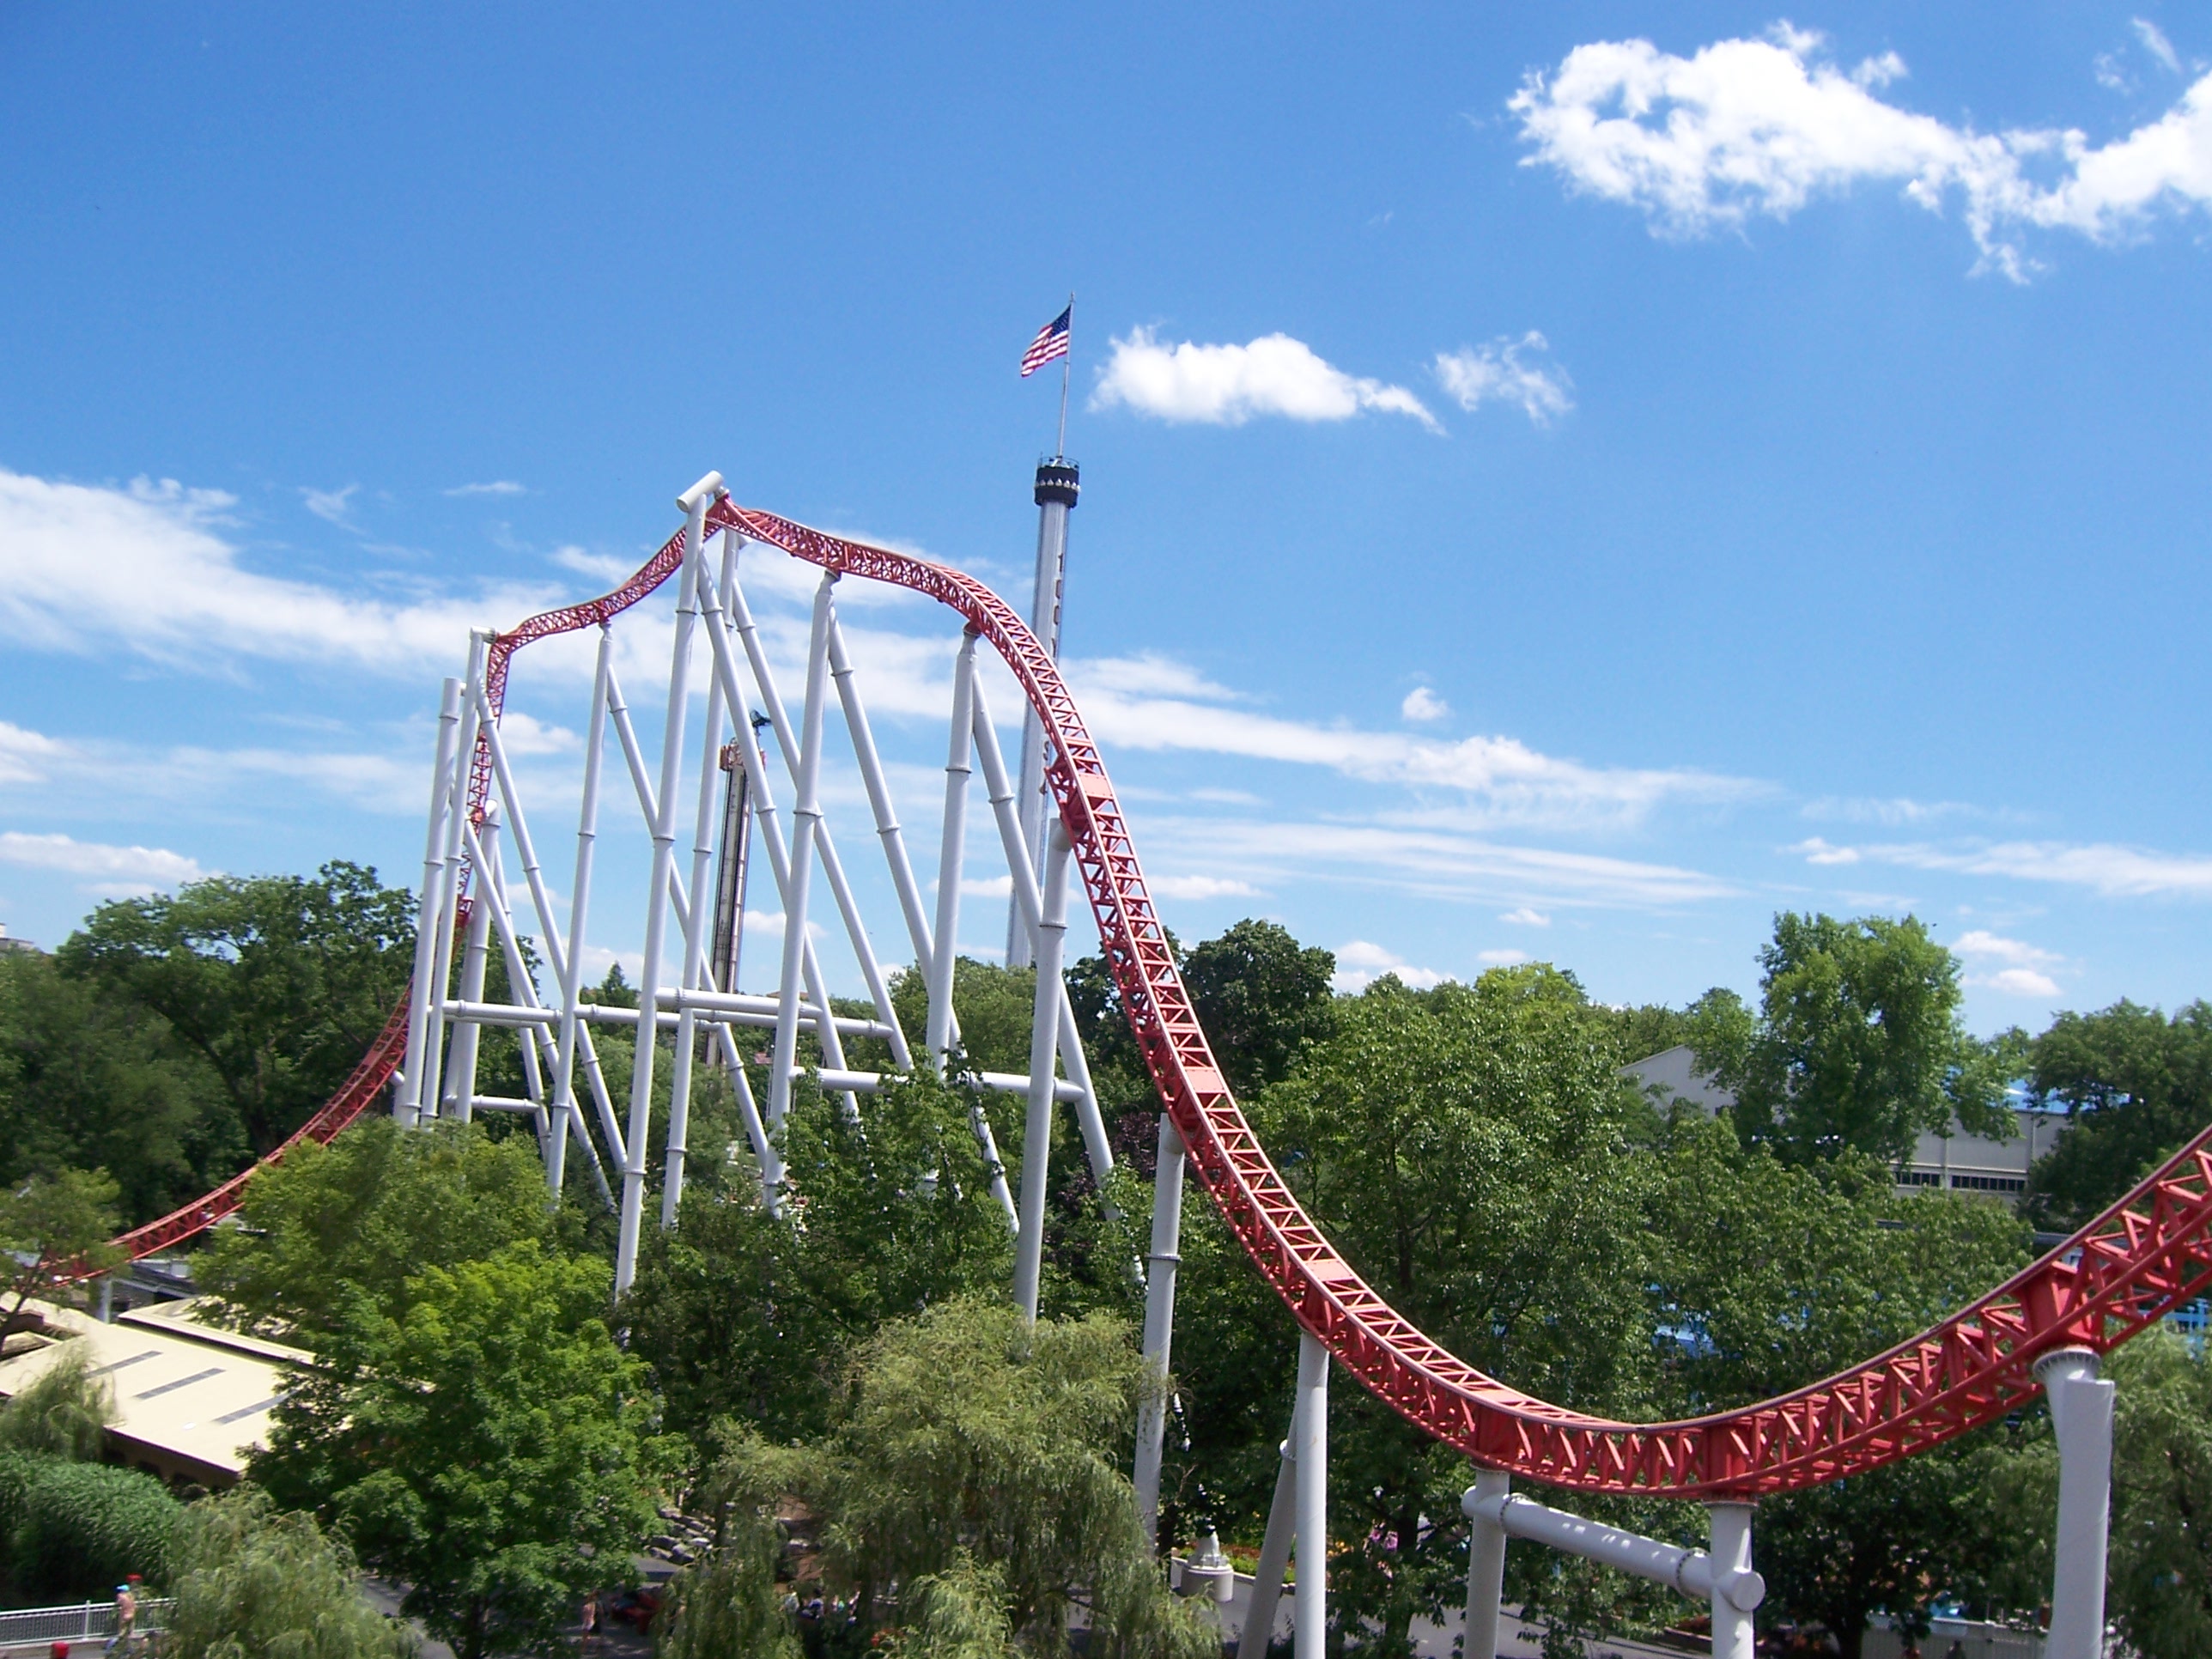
(85, 1621)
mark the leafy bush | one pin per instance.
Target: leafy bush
(64, 1414)
(254, 1581)
(83, 1527)
(727, 1607)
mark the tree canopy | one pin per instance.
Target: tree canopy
(2137, 1084)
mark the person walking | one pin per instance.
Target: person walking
(126, 1621)
(591, 1635)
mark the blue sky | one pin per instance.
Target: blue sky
(1565, 485)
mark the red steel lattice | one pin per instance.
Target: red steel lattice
(2147, 1255)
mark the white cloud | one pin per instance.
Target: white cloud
(1745, 128)
(1475, 376)
(1982, 945)
(1505, 959)
(2017, 982)
(85, 566)
(107, 871)
(1525, 917)
(1893, 811)
(1423, 704)
(25, 754)
(331, 505)
(1512, 780)
(1228, 384)
(2113, 870)
(496, 487)
(2155, 43)
(599, 567)
(1201, 887)
(1361, 963)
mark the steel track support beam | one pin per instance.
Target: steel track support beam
(407, 1105)
(475, 953)
(952, 853)
(1044, 1046)
(580, 905)
(2081, 1421)
(694, 503)
(1485, 1564)
(1274, 1552)
(1312, 1431)
(805, 821)
(1160, 1265)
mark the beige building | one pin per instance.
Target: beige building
(1960, 1162)
(190, 1400)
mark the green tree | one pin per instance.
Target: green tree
(254, 1581)
(78, 1529)
(750, 1315)
(727, 1605)
(2138, 1083)
(277, 982)
(1263, 997)
(333, 1227)
(2161, 1548)
(1859, 1045)
(984, 1453)
(57, 1226)
(489, 1445)
(65, 1412)
(94, 1081)
(993, 1004)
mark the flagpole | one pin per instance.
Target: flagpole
(1060, 449)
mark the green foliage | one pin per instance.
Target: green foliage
(992, 1005)
(959, 1613)
(254, 1582)
(2161, 1552)
(1263, 997)
(727, 1605)
(65, 1412)
(1858, 1045)
(53, 1223)
(749, 1314)
(278, 983)
(2138, 1085)
(975, 1449)
(78, 1529)
(354, 1222)
(487, 1443)
(89, 1080)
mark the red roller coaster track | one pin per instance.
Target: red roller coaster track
(2147, 1255)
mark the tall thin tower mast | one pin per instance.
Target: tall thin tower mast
(1058, 482)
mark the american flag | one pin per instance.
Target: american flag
(1050, 343)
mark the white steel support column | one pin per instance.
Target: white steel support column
(1044, 1045)
(1274, 1552)
(1312, 1436)
(1160, 1264)
(694, 503)
(407, 1105)
(2081, 1421)
(1097, 1146)
(805, 818)
(579, 904)
(700, 913)
(951, 853)
(1485, 1564)
(1732, 1575)
(449, 892)
(461, 1070)
(879, 800)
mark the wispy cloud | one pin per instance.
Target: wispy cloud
(2155, 43)
(148, 570)
(332, 505)
(1228, 384)
(2101, 866)
(25, 755)
(1497, 373)
(1889, 811)
(2010, 966)
(104, 871)
(1525, 917)
(1195, 888)
(1749, 128)
(496, 487)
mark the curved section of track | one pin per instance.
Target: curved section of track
(2147, 1254)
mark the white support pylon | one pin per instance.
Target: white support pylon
(1312, 1431)
(1160, 1266)
(805, 817)
(2082, 1422)
(1485, 1564)
(1044, 1046)
(407, 1105)
(951, 854)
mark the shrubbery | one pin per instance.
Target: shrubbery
(254, 1582)
(76, 1529)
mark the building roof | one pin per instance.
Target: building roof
(191, 1401)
